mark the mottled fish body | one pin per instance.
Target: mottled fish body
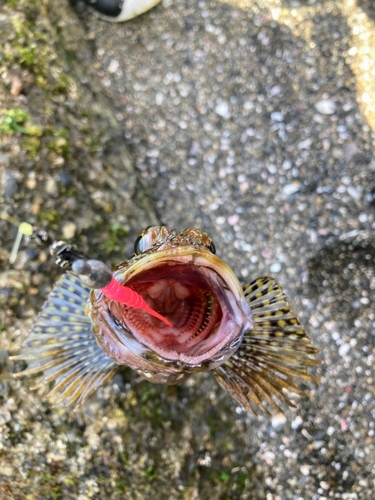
(247, 335)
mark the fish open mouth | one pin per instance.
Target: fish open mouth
(196, 292)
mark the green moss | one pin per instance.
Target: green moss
(122, 485)
(46, 478)
(63, 83)
(31, 145)
(224, 475)
(70, 481)
(52, 216)
(13, 121)
(116, 236)
(17, 121)
(16, 4)
(241, 480)
(48, 483)
(98, 221)
(70, 56)
(60, 142)
(30, 49)
(124, 457)
(93, 144)
(153, 415)
(150, 473)
(219, 477)
(145, 404)
(56, 492)
(217, 425)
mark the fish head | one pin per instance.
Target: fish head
(180, 277)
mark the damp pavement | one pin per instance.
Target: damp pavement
(255, 121)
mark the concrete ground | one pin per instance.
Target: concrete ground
(255, 121)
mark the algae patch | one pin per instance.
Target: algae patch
(17, 121)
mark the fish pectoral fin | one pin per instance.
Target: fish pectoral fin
(61, 344)
(275, 353)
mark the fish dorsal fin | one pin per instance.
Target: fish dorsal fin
(62, 346)
(272, 355)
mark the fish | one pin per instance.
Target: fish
(246, 334)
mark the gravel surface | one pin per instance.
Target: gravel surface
(254, 121)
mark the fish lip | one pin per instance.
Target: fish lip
(238, 316)
(188, 254)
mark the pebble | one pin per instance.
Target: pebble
(7, 471)
(290, 189)
(7, 31)
(222, 109)
(275, 268)
(31, 182)
(354, 192)
(51, 186)
(305, 144)
(5, 417)
(325, 107)
(318, 444)
(277, 116)
(344, 349)
(305, 470)
(69, 230)
(10, 185)
(297, 422)
(233, 219)
(278, 421)
(16, 86)
(113, 66)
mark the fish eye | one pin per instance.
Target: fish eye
(137, 246)
(150, 237)
(212, 248)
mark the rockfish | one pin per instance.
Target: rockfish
(201, 319)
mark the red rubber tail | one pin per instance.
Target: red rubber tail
(125, 295)
(148, 309)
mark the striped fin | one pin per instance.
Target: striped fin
(272, 355)
(62, 346)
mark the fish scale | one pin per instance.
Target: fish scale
(248, 335)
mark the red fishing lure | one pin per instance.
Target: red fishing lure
(125, 295)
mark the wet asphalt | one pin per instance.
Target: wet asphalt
(241, 126)
(252, 121)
